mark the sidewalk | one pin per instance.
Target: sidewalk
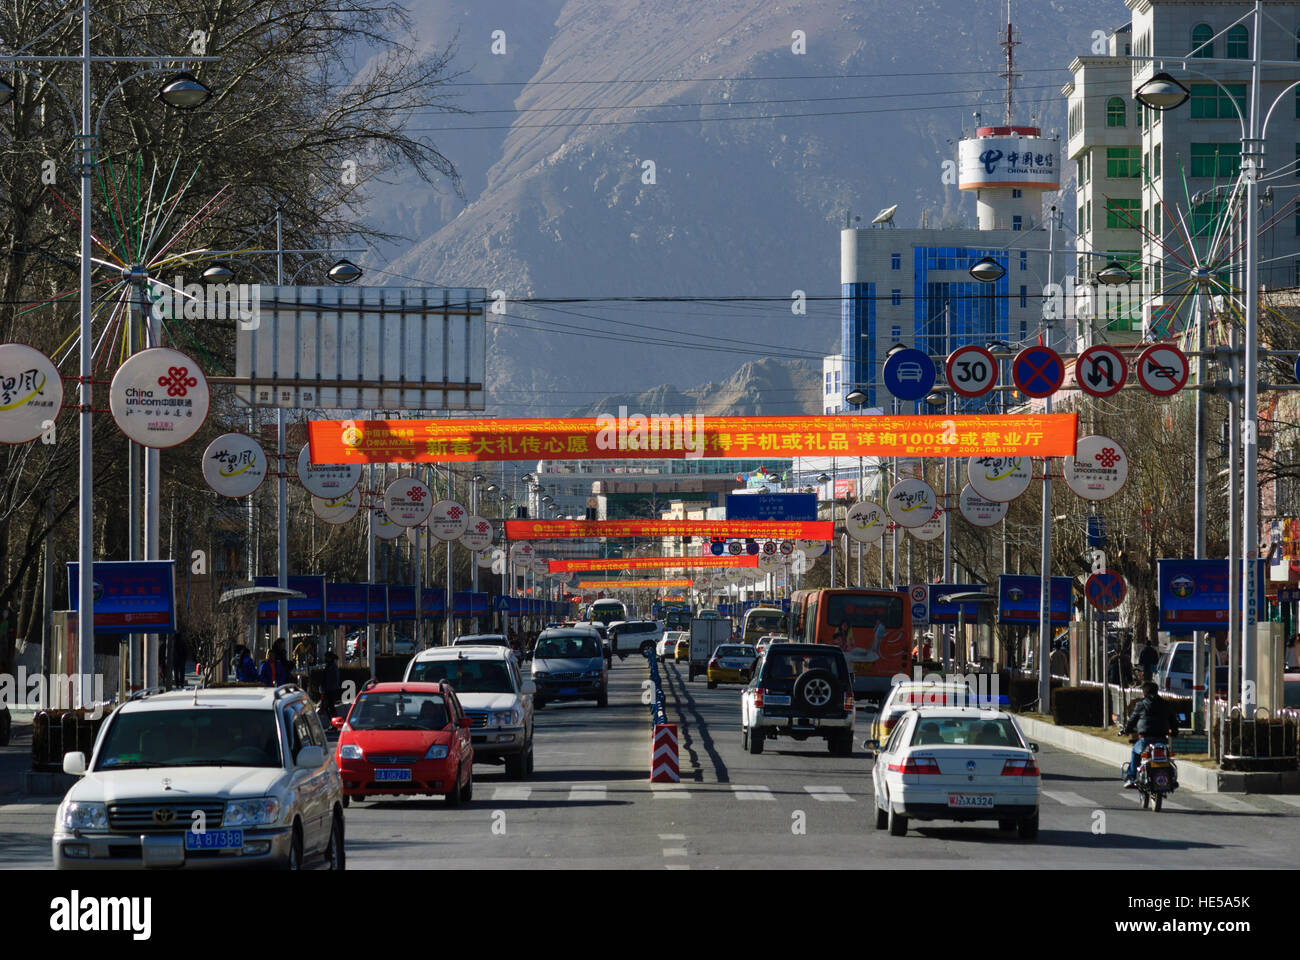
(1190, 775)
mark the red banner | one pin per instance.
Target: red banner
(765, 529)
(631, 584)
(688, 437)
(650, 563)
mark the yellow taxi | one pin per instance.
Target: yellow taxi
(683, 649)
(731, 663)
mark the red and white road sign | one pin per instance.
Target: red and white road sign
(971, 371)
(1101, 370)
(663, 754)
(1162, 369)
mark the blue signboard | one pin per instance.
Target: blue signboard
(308, 609)
(467, 604)
(909, 374)
(771, 506)
(401, 602)
(377, 604)
(130, 596)
(1097, 531)
(345, 602)
(1018, 598)
(1194, 594)
(942, 611)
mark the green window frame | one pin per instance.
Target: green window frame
(1208, 101)
(1203, 33)
(1237, 43)
(1122, 162)
(1219, 160)
(1122, 214)
(1116, 112)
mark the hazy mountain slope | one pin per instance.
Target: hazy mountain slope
(758, 388)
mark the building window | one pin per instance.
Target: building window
(1083, 225)
(1017, 223)
(1087, 208)
(1202, 40)
(896, 334)
(1122, 162)
(1155, 162)
(1024, 330)
(1116, 112)
(1221, 160)
(1024, 260)
(1122, 214)
(1237, 44)
(828, 383)
(1024, 296)
(895, 261)
(1209, 102)
(1015, 194)
(896, 297)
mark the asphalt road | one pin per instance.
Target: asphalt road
(589, 805)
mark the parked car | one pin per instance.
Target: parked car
(799, 690)
(961, 764)
(251, 762)
(406, 738)
(494, 695)
(568, 665)
(731, 663)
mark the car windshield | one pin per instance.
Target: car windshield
(932, 695)
(734, 651)
(488, 639)
(966, 731)
(864, 610)
(399, 711)
(765, 622)
(189, 738)
(788, 666)
(465, 676)
(567, 648)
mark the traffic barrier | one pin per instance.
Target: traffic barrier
(663, 754)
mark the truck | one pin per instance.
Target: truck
(706, 636)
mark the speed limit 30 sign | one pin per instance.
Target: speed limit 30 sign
(971, 371)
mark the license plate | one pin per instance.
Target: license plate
(564, 691)
(392, 775)
(803, 723)
(970, 800)
(1162, 780)
(776, 699)
(214, 840)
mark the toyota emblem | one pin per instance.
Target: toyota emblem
(164, 815)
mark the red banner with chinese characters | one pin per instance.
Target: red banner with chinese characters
(650, 563)
(631, 584)
(689, 437)
(571, 529)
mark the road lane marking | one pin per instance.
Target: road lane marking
(674, 851)
(1068, 799)
(1232, 804)
(677, 866)
(588, 793)
(516, 792)
(672, 791)
(672, 836)
(752, 793)
(1169, 804)
(829, 794)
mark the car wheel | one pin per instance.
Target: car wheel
(841, 743)
(1146, 800)
(882, 818)
(335, 856)
(756, 738)
(1006, 825)
(467, 792)
(346, 799)
(713, 685)
(515, 764)
(690, 671)
(295, 850)
(896, 822)
(454, 794)
(538, 703)
(744, 737)
(1160, 797)
(1027, 829)
(603, 699)
(530, 758)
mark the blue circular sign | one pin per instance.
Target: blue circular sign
(1038, 371)
(909, 374)
(717, 548)
(751, 547)
(918, 611)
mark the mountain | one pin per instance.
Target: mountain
(758, 388)
(583, 185)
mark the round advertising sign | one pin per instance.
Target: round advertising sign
(1098, 468)
(477, 535)
(448, 520)
(31, 393)
(159, 397)
(385, 527)
(932, 529)
(1000, 478)
(338, 509)
(234, 465)
(801, 563)
(484, 558)
(417, 536)
(981, 511)
(770, 561)
(408, 501)
(911, 502)
(326, 480)
(522, 548)
(865, 522)
(811, 548)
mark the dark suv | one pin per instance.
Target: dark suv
(799, 690)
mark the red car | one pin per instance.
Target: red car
(403, 739)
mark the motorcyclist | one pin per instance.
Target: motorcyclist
(1154, 719)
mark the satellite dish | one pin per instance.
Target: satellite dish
(886, 215)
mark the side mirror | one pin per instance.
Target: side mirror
(466, 723)
(337, 722)
(529, 688)
(311, 757)
(74, 763)
(872, 745)
(1033, 747)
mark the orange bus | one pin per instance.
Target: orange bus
(872, 627)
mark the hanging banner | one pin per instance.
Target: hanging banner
(31, 393)
(631, 584)
(688, 437)
(478, 534)
(408, 501)
(326, 480)
(337, 509)
(570, 529)
(648, 563)
(159, 397)
(234, 465)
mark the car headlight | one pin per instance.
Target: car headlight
(437, 751)
(251, 813)
(350, 751)
(593, 674)
(505, 718)
(80, 815)
(541, 673)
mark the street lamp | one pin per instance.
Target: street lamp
(987, 270)
(184, 92)
(1162, 92)
(345, 271)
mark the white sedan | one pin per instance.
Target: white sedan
(962, 764)
(667, 644)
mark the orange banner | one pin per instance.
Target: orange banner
(650, 563)
(631, 584)
(571, 529)
(689, 437)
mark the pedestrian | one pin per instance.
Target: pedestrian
(1126, 661)
(331, 686)
(302, 653)
(275, 668)
(1148, 659)
(245, 667)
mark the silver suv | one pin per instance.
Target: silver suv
(216, 777)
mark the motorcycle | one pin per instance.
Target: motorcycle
(1157, 774)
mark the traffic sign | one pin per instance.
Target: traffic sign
(769, 548)
(1106, 590)
(787, 547)
(734, 548)
(971, 371)
(909, 374)
(1038, 371)
(920, 594)
(717, 548)
(1101, 370)
(1162, 369)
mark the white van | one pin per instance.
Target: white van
(634, 636)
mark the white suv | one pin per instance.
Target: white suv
(494, 695)
(204, 778)
(634, 636)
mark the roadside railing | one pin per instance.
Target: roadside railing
(1270, 740)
